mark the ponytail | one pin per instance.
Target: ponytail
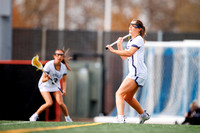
(143, 29)
(66, 59)
(66, 64)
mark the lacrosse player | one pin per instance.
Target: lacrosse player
(54, 70)
(137, 71)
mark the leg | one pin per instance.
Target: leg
(193, 120)
(133, 102)
(48, 102)
(136, 105)
(185, 121)
(126, 91)
(60, 102)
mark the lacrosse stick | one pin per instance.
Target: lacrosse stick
(35, 62)
(117, 41)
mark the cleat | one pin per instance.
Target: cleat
(121, 120)
(68, 119)
(34, 117)
(143, 117)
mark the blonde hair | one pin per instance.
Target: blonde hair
(194, 105)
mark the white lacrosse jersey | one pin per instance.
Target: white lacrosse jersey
(136, 63)
(50, 69)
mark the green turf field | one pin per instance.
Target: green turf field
(87, 127)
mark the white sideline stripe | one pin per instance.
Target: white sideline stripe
(161, 119)
(21, 122)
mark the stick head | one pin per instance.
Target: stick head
(35, 62)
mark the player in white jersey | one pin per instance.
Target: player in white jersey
(54, 70)
(54, 74)
(137, 71)
(137, 68)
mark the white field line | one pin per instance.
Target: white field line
(20, 122)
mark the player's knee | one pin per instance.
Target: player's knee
(118, 94)
(126, 98)
(49, 104)
(60, 103)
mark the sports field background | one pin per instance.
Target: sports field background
(86, 127)
(173, 82)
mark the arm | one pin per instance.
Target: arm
(119, 47)
(64, 84)
(124, 53)
(45, 77)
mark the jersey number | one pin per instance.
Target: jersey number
(55, 80)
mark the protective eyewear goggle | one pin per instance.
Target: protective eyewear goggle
(134, 25)
(59, 54)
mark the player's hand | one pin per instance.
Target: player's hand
(64, 93)
(45, 77)
(48, 77)
(110, 48)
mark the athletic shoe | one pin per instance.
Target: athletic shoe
(68, 119)
(121, 120)
(143, 117)
(34, 117)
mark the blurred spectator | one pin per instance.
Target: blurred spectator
(192, 117)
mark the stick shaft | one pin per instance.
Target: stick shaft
(41, 68)
(124, 37)
(54, 83)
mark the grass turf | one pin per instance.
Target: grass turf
(87, 127)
